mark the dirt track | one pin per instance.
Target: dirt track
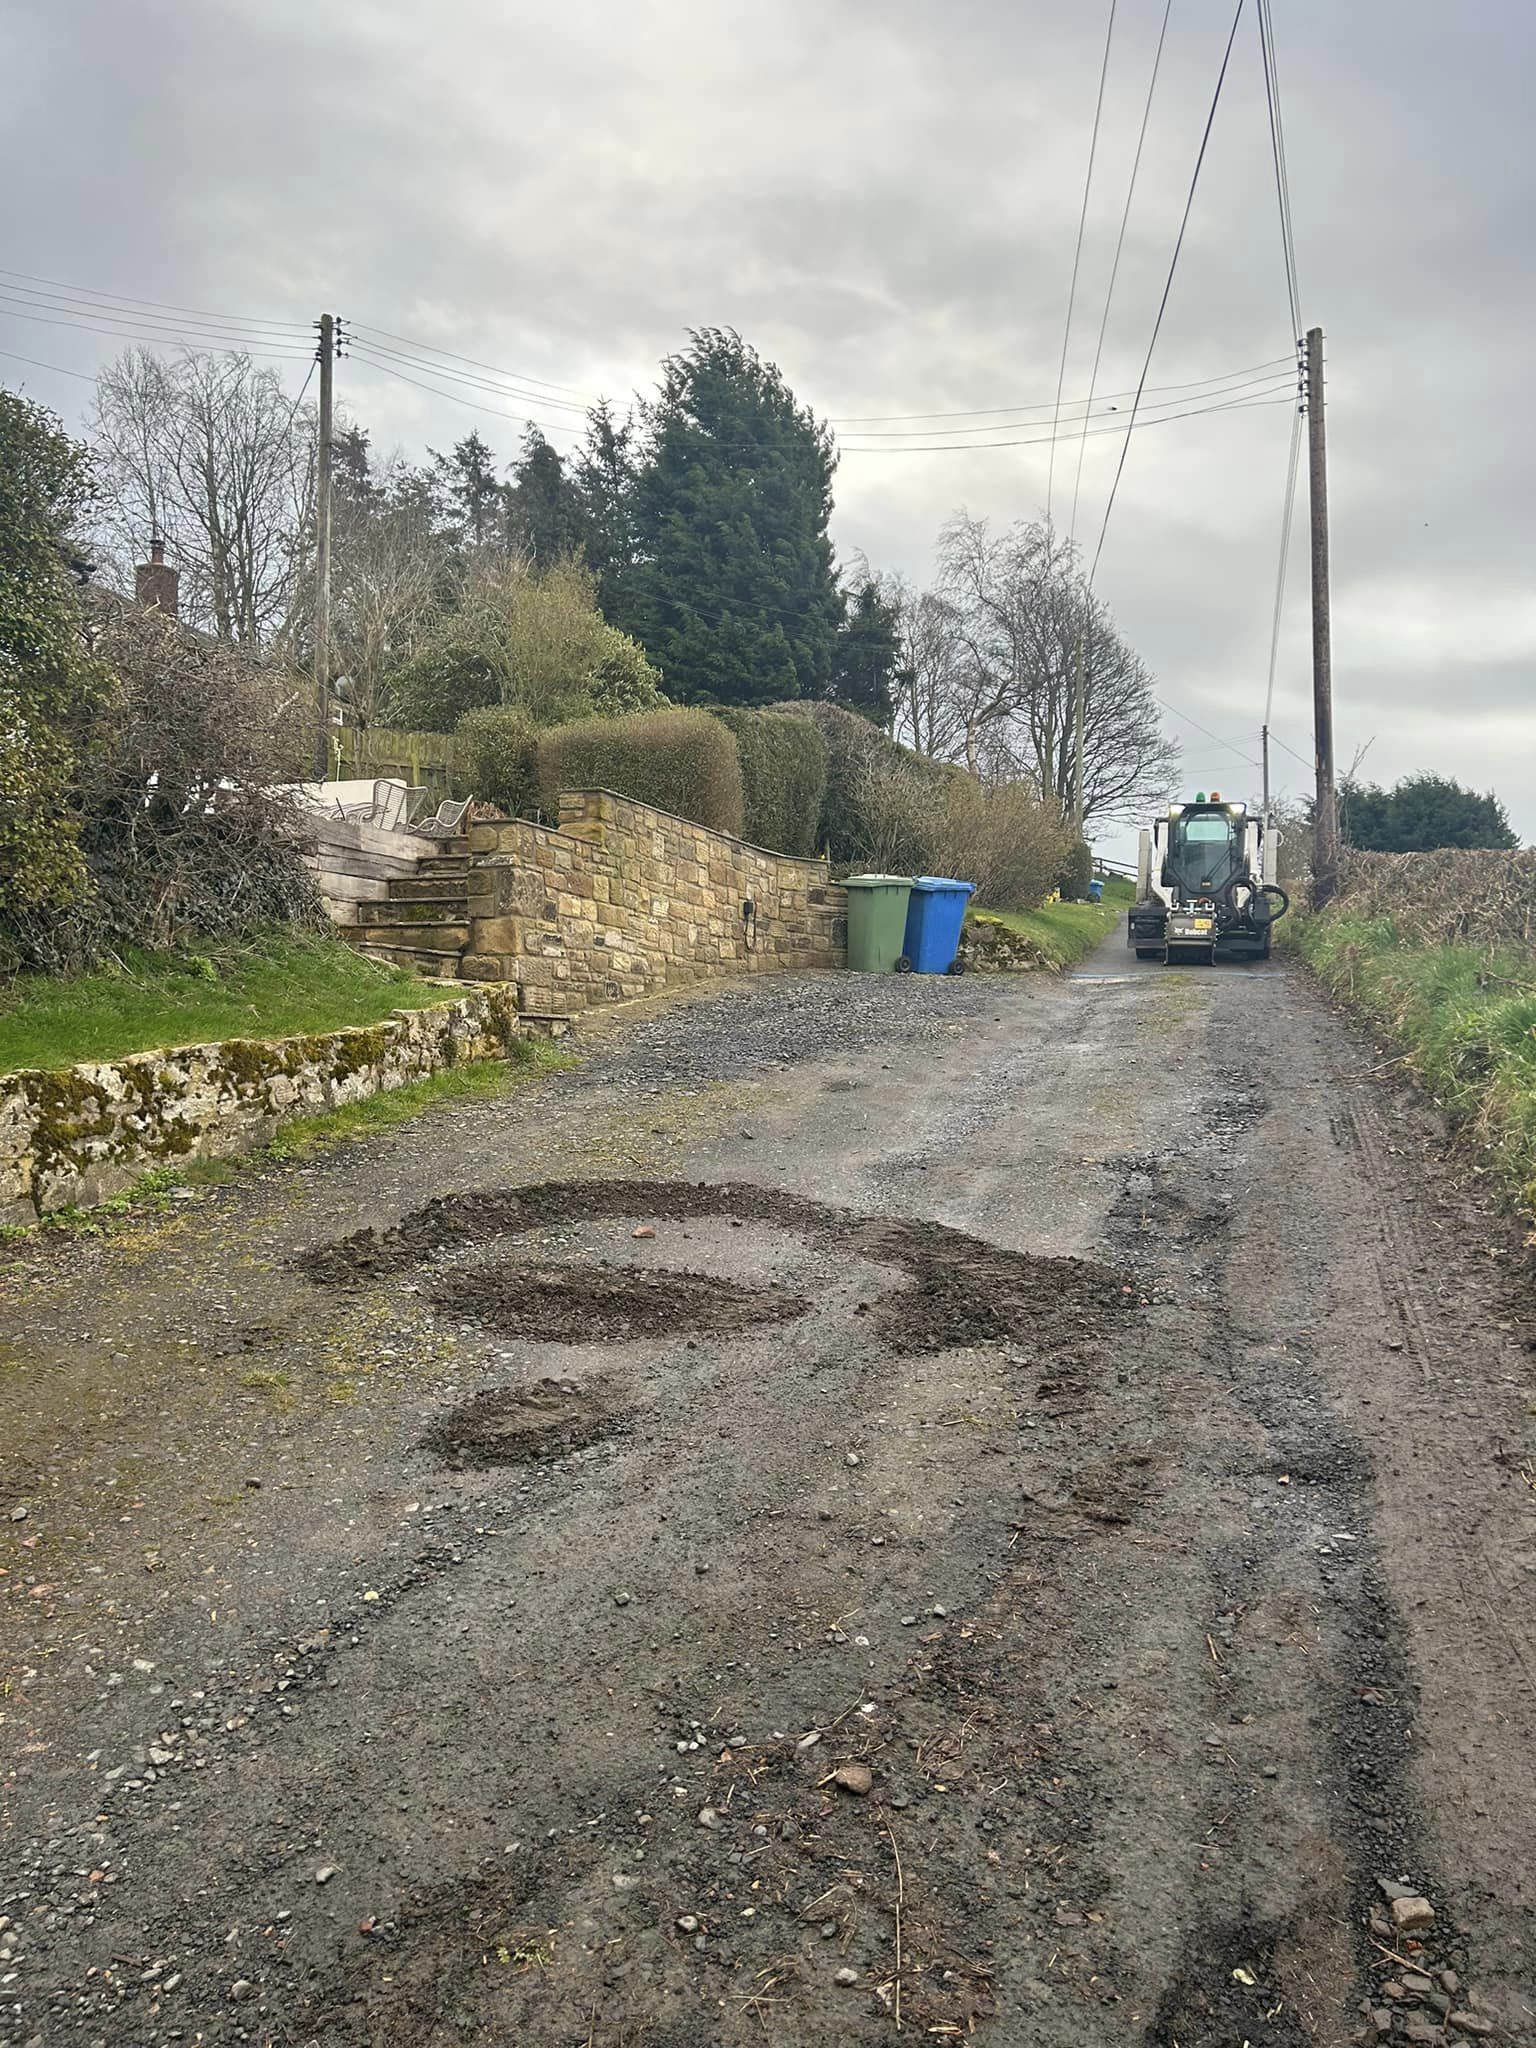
(1016, 1520)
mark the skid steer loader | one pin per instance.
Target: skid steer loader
(1205, 887)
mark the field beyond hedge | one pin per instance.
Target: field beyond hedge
(1465, 1017)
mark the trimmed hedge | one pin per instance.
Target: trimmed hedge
(855, 747)
(498, 753)
(679, 761)
(783, 775)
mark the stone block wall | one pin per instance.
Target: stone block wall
(626, 901)
(82, 1134)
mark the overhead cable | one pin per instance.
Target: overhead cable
(1157, 325)
(1077, 253)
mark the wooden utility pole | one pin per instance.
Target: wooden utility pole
(326, 357)
(1264, 756)
(1325, 850)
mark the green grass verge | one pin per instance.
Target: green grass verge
(1465, 1019)
(1067, 932)
(303, 1137)
(271, 987)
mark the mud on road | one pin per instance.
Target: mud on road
(983, 1512)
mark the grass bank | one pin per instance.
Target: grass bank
(272, 987)
(1464, 1017)
(1067, 932)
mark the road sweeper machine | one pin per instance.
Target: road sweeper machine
(1205, 885)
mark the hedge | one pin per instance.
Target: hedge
(680, 761)
(853, 746)
(497, 749)
(784, 777)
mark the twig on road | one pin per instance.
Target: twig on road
(901, 1893)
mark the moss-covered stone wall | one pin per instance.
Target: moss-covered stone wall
(82, 1134)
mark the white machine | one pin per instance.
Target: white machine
(1205, 885)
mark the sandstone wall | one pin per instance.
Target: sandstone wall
(624, 901)
(82, 1134)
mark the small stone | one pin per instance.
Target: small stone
(855, 1778)
(708, 1818)
(1381, 2019)
(1471, 2022)
(828, 1929)
(853, 1458)
(1416, 1985)
(1449, 1981)
(938, 1612)
(1408, 1913)
(845, 1976)
(645, 1230)
(823, 1514)
(325, 1873)
(687, 1923)
(809, 1741)
(621, 1599)
(623, 1881)
(909, 1621)
(253, 1482)
(241, 1988)
(20, 1514)
(170, 1983)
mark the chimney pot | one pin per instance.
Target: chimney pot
(155, 582)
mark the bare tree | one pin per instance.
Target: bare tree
(210, 452)
(929, 713)
(1010, 620)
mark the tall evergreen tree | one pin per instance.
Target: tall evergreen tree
(735, 597)
(604, 471)
(543, 508)
(867, 654)
(1421, 813)
(469, 495)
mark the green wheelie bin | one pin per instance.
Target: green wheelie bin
(877, 922)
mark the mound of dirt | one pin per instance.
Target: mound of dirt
(518, 1426)
(960, 1290)
(608, 1304)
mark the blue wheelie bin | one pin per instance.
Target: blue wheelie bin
(934, 917)
(1095, 891)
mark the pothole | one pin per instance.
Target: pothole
(608, 1304)
(521, 1425)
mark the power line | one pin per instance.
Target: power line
(198, 344)
(1174, 710)
(1040, 440)
(425, 349)
(1157, 325)
(79, 307)
(474, 405)
(500, 389)
(157, 305)
(1114, 268)
(1277, 148)
(1040, 404)
(57, 368)
(1077, 253)
(1308, 765)
(1268, 382)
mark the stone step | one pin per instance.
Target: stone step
(437, 908)
(544, 1023)
(416, 888)
(436, 963)
(433, 937)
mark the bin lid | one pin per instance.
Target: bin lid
(936, 883)
(878, 882)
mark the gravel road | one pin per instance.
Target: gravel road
(976, 1509)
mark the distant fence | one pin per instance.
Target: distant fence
(1456, 896)
(433, 761)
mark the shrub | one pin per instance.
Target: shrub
(679, 761)
(435, 689)
(498, 757)
(783, 775)
(1076, 871)
(1007, 840)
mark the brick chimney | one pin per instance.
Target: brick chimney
(155, 581)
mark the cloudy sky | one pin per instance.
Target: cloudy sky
(884, 199)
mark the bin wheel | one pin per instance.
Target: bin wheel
(903, 965)
(956, 966)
